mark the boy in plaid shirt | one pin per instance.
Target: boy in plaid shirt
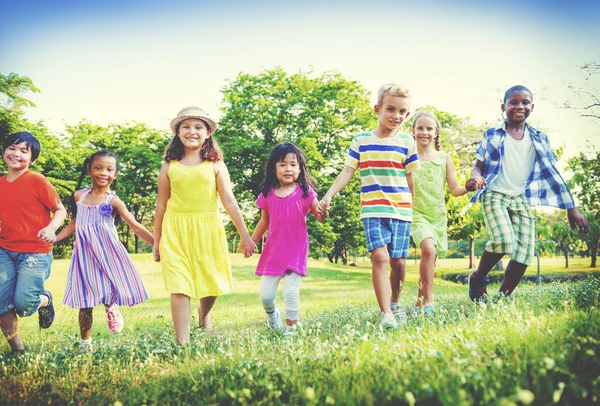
(514, 170)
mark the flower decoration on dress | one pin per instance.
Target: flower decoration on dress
(105, 209)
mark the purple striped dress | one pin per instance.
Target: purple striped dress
(101, 270)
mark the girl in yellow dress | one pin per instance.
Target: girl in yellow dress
(190, 239)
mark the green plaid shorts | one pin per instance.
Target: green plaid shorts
(510, 226)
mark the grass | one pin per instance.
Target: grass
(541, 347)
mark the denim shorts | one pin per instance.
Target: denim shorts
(22, 277)
(391, 232)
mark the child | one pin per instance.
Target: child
(27, 231)
(517, 164)
(101, 270)
(190, 239)
(429, 210)
(285, 199)
(386, 159)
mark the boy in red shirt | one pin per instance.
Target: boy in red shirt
(27, 231)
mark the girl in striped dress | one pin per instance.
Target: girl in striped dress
(101, 270)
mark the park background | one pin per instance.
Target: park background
(84, 76)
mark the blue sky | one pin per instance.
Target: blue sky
(115, 61)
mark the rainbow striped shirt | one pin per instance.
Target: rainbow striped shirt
(384, 163)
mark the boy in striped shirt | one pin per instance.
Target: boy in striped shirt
(386, 159)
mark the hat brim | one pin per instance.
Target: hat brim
(176, 121)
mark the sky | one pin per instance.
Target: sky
(120, 61)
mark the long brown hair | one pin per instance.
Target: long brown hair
(209, 151)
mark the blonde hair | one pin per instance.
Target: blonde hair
(391, 89)
(429, 114)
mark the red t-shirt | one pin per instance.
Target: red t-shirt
(25, 207)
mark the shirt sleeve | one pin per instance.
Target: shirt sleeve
(307, 202)
(412, 162)
(47, 194)
(353, 157)
(480, 153)
(261, 202)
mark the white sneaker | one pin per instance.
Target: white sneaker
(388, 320)
(277, 322)
(290, 331)
(400, 315)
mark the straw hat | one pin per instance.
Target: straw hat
(192, 112)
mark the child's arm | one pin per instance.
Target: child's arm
(262, 226)
(455, 189)
(164, 192)
(230, 204)
(340, 182)
(477, 180)
(48, 233)
(135, 226)
(66, 231)
(411, 184)
(314, 207)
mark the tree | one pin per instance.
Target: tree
(318, 113)
(12, 104)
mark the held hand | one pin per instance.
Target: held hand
(47, 234)
(156, 252)
(475, 183)
(324, 205)
(247, 246)
(577, 221)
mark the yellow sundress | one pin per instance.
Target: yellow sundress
(193, 246)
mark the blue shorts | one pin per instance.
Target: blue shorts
(22, 277)
(391, 232)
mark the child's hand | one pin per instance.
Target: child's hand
(247, 247)
(324, 205)
(577, 221)
(475, 183)
(47, 234)
(156, 252)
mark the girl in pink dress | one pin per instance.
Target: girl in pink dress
(285, 199)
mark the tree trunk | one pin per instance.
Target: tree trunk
(137, 240)
(594, 252)
(499, 266)
(565, 251)
(471, 251)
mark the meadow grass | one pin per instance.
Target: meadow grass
(539, 347)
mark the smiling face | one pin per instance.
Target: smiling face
(392, 112)
(287, 170)
(103, 171)
(425, 130)
(193, 132)
(518, 106)
(17, 157)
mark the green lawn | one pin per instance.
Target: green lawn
(540, 347)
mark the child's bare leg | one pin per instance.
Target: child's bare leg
(487, 262)
(426, 272)
(86, 319)
(381, 283)
(10, 328)
(180, 311)
(512, 276)
(397, 275)
(206, 304)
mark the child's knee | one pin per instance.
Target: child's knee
(268, 300)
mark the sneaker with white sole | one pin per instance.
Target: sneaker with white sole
(114, 319)
(388, 321)
(400, 315)
(276, 323)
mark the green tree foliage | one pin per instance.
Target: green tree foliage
(12, 103)
(320, 114)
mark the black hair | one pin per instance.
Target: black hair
(32, 143)
(517, 88)
(278, 154)
(87, 164)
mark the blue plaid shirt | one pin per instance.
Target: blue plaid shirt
(545, 186)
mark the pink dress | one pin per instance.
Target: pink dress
(286, 247)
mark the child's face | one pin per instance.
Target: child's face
(192, 133)
(17, 157)
(103, 171)
(393, 111)
(518, 106)
(288, 170)
(425, 131)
